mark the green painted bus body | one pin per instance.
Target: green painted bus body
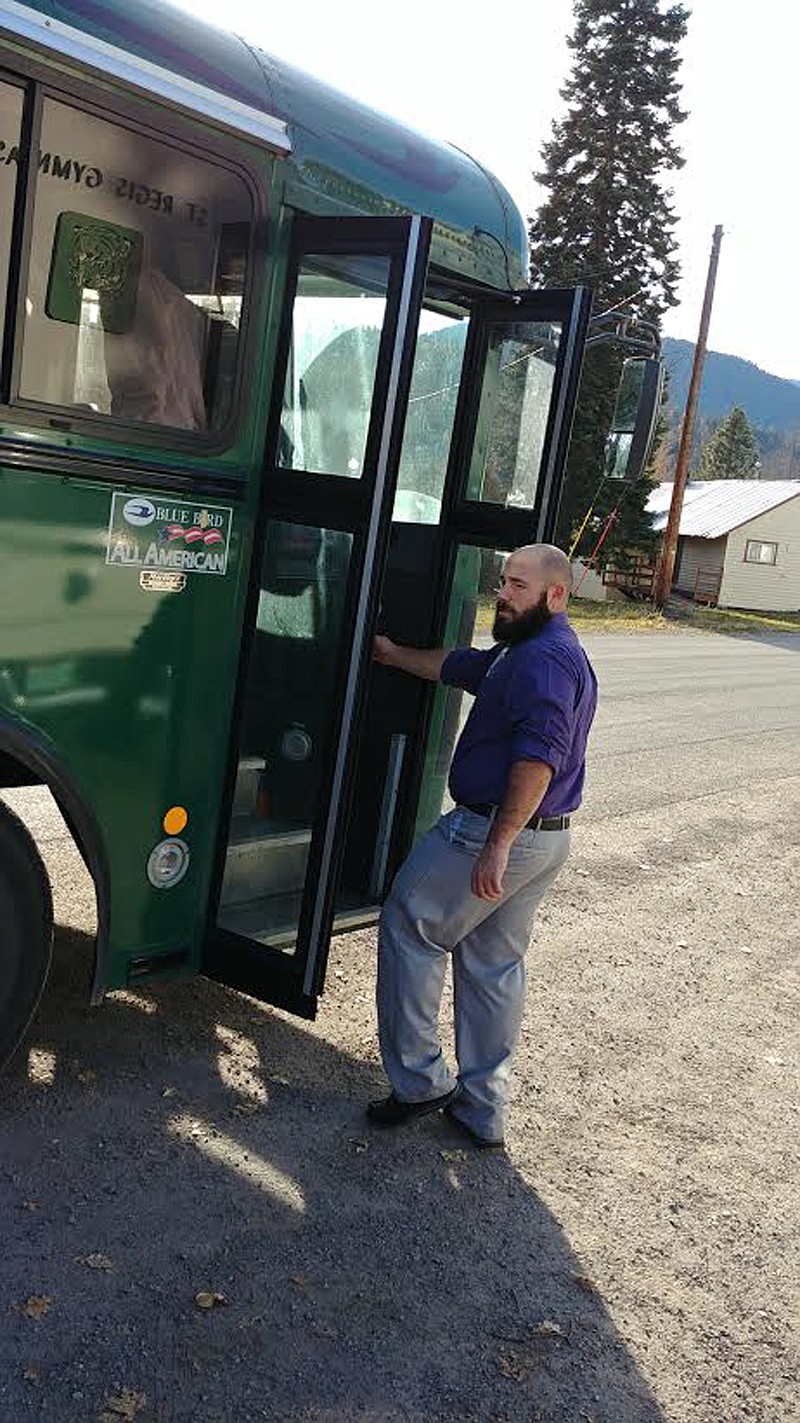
(129, 693)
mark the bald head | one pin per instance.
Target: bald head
(546, 569)
(550, 564)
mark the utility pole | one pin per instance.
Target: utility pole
(667, 565)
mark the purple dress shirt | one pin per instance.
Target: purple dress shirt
(534, 701)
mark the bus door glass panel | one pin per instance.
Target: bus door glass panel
(137, 273)
(287, 723)
(514, 413)
(287, 730)
(10, 124)
(470, 616)
(435, 381)
(303, 680)
(390, 741)
(337, 322)
(515, 403)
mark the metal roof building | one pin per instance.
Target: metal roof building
(715, 506)
(739, 541)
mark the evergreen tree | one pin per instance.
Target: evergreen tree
(607, 221)
(780, 452)
(731, 451)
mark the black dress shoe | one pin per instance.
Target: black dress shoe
(391, 1112)
(483, 1143)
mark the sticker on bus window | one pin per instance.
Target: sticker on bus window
(94, 273)
(170, 535)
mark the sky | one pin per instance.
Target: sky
(494, 91)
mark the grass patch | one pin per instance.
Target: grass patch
(645, 617)
(617, 617)
(586, 616)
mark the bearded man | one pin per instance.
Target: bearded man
(470, 887)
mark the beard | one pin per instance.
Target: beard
(518, 627)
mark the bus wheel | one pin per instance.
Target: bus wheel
(26, 930)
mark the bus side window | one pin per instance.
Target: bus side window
(138, 266)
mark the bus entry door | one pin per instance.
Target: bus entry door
(344, 365)
(421, 431)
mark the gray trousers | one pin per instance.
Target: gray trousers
(431, 912)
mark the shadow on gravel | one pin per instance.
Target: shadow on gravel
(789, 641)
(186, 1139)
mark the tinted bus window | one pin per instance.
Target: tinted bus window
(336, 332)
(136, 277)
(10, 122)
(515, 408)
(435, 379)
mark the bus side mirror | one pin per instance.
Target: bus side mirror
(638, 403)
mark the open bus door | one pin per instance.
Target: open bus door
(419, 420)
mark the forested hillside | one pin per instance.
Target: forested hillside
(772, 405)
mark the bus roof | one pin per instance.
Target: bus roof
(342, 151)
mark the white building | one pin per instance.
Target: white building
(739, 542)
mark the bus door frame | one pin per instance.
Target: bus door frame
(478, 523)
(362, 507)
(365, 509)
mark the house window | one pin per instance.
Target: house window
(756, 552)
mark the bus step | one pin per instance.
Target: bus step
(273, 920)
(262, 862)
(248, 777)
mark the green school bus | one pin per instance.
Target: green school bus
(271, 378)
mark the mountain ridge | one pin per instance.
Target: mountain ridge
(769, 401)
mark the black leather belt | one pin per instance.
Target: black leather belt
(536, 822)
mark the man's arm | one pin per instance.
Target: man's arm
(419, 661)
(527, 783)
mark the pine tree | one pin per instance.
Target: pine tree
(608, 222)
(731, 451)
(780, 452)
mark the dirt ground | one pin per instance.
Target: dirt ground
(632, 1258)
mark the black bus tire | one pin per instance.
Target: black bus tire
(26, 931)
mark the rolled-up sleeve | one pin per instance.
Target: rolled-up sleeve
(541, 699)
(466, 667)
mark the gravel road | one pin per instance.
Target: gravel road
(632, 1259)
